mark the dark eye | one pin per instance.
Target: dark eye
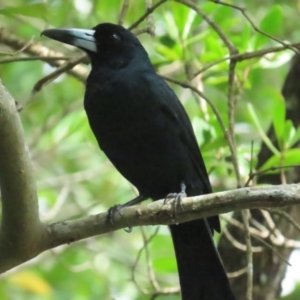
(115, 37)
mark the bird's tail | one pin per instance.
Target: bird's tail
(201, 272)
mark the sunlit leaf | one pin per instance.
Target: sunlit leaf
(295, 138)
(271, 24)
(30, 281)
(290, 157)
(288, 133)
(263, 135)
(36, 10)
(278, 117)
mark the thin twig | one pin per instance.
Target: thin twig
(237, 273)
(141, 30)
(151, 274)
(250, 164)
(245, 56)
(272, 249)
(238, 244)
(36, 49)
(144, 16)
(243, 11)
(123, 12)
(261, 172)
(261, 236)
(240, 225)
(285, 215)
(216, 28)
(145, 244)
(249, 254)
(231, 120)
(26, 45)
(150, 20)
(47, 79)
(32, 58)
(60, 201)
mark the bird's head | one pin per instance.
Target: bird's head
(106, 43)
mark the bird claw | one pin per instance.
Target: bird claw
(177, 197)
(112, 211)
(128, 229)
(117, 208)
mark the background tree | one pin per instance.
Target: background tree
(236, 57)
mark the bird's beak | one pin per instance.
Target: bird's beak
(81, 38)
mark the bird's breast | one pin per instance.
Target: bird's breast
(119, 110)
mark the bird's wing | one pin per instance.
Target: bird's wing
(172, 107)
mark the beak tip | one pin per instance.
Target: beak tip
(55, 34)
(46, 33)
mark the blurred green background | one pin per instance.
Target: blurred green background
(74, 178)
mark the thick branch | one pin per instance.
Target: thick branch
(22, 236)
(20, 225)
(160, 213)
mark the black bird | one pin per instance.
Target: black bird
(144, 130)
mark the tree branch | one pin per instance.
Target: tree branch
(158, 213)
(23, 237)
(20, 226)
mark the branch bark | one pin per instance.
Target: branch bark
(160, 213)
(21, 229)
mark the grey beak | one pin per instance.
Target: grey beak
(81, 38)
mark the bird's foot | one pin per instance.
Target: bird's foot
(177, 197)
(112, 211)
(118, 209)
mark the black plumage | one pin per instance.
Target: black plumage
(144, 130)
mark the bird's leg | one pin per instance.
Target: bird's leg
(135, 201)
(117, 208)
(177, 197)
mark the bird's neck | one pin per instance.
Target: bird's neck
(117, 61)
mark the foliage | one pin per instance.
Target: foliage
(74, 178)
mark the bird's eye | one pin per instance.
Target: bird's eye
(115, 37)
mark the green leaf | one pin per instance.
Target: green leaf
(271, 24)
(295, 138)
(188, 24)
(214, 46)
(263, 135)
(36, 10)
(279, 117)
(171, 26)
(290, 157)
(167, 41)
(168, 53)
(288, 133)
(183, 18)
(244, 37)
